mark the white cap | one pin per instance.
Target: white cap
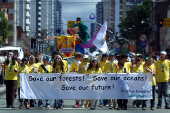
(85, 56)
(94, 59)
(163, 53)
(132, 53)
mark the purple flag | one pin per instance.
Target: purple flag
(89, 44)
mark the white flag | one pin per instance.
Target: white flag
(100, 41)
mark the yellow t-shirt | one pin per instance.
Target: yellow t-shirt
(104, 66)
(83, 67)
(120, 70)
(127, 66)
(34, 68)
(22, 69)
(65, 65)
(11, 72)
(123, 69)
(49, 68)
(162, 71)
(110, 67)
(75, 66)
(94, 71)
(151, 69)
(58, 69)
(139, 68)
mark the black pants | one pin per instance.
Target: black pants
(122, 103)
(162, 92)
(11, 88)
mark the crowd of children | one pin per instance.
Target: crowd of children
(158, 66)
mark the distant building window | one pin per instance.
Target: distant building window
(121, 1)
(4, 0)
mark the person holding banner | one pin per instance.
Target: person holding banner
(45, 68)
(24, 68)
(58, 67)
(137, 67)
(11, 77)
(94, 68)
(111, 68)
(122, 67)
(83, 69)
(34, 64)
(162, 78)
(105, 67)
(150, 67)
(75, 68)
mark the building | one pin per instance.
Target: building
(92, 29)
(120, 13)
(109, 13)
(58, 28)
(132, 3)
(99, 13)
(39, 17)
(113, 12)
(160, 34)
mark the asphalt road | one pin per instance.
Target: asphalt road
(69, 109)
(82, 111)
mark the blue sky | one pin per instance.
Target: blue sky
(80, 8)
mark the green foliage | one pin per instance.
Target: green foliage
(137, 21)
(5, 27)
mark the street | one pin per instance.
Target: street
(82, 111)
(69, 109)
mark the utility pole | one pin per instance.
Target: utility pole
(15, 26)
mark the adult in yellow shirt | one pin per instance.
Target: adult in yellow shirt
(11, 78)
(162, 79)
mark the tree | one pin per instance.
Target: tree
(137, 21)
(5, 28)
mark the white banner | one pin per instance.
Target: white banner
(86, 86)
(100, 41)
